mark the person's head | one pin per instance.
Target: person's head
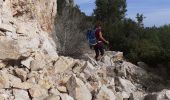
(98, 25)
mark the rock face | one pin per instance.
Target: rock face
(43, 12)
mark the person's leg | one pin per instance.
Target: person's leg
(96, 51)
(101, 49)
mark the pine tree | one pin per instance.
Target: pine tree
(110, 10)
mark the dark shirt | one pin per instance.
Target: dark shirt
(97, 33)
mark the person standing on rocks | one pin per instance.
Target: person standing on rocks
(99, 47)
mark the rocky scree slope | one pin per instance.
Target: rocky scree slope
(30, 68)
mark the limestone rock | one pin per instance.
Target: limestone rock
(21, 74)
(132, 69)
(45, 83)
(127, 85)
(62, 89)
(78, 90)
(27, 62)
(63, 64)
(88, 69)
(8, 50)
(66, 97)
(4, 80)
(2, 33)
(21, 94)
(38, 63)
(137, 96)
(105, 94)
(5, 94)
(13, 79)
(2, 64)
(6, 27)
(37, 91)
(24, 85)
(167, 94)
(53, 97)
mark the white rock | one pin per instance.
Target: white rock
(66, 97)
(21, 94)
(89, 69)
(13, 79)
(24, 85)
(78, 90)
(21, 74)
(2, 64)
(105, 94)
(8, 49)
(36, 91)
(167, 94)
(4, 80)
(53, 97)
(38, 63)
(127, 85)
(27, 62)
(137, 96)
(62, 89)
(6, 27)
(63, 64)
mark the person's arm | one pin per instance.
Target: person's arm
(101, 36)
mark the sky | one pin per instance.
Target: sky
(157, 12)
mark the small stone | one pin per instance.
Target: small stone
(62, 89)
(27, 62)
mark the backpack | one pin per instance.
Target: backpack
(91, 37)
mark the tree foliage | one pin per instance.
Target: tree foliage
(139, 43)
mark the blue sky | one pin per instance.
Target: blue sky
(157, 12)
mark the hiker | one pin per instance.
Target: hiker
(99, 47)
